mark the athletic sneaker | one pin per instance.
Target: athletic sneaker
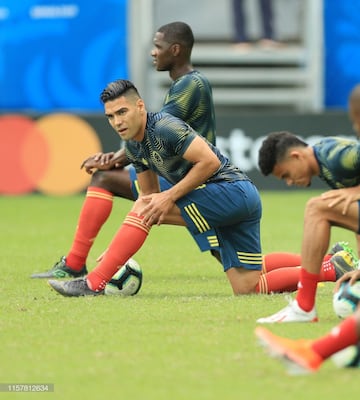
(297, 355)
(61, 270)
(338, 246)
(343, 262)
(291, 313)
(74, 288)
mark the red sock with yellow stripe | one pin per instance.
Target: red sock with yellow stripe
(127, 241)
(94, 213)
(279, 280)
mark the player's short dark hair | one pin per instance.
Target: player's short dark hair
(274, 149)
(118, 88)
(178, 32)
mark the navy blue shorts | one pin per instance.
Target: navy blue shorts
(223, 216)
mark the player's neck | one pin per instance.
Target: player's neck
(180, 70)
(315, 168)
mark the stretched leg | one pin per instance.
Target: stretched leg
(95, 211)
(117, 254)
(286, 279)
(133, 232)
(283, 276)
(281, 271)
(277, 260)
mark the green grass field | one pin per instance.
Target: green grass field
(184, 336)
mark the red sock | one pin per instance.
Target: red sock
(286, 279)
(279, 281)
(343, 335)
(327, 272)
(280, 260)
(95, 211)
(127, 241)
(307, 289)
(273, 261)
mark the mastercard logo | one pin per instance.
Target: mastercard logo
(45, 155)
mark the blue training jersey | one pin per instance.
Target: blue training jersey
(190, 99)
(165, 142)
(339, 161)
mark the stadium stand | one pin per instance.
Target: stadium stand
(285, 78)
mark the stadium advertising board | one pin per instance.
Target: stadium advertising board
(46, 151)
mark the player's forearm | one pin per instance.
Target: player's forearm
(148, 182)
(197, 176)
(120, 158)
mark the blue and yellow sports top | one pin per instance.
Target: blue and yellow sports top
(190, 99)
(339, 161)
(165, 142)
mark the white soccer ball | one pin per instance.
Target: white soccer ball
(126, 281)
(348, 357)
(346, 299)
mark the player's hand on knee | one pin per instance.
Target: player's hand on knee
(345, 196)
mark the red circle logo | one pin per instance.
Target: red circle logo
(45, 154)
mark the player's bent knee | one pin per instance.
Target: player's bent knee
(100, 179)
(316, 207)
(243, 281)
(139, 205)
(314, 204)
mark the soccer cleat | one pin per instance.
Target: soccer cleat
(338, 246)
(74, 288)
(291, 313)
(343, 262)
(297, 355)
(61, 270)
